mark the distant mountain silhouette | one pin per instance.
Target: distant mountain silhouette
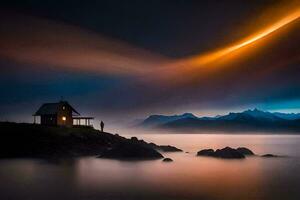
(155, 120)
(254, 114)
(249, 120)
(289, 116)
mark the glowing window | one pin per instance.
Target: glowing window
(64, 118)
(64, 107)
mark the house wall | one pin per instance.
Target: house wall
(64, 111)
(49, 120)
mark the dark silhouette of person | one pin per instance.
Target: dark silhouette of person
(102, 125)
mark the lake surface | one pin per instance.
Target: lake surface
(188, 177)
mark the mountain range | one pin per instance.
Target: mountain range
(248, 120)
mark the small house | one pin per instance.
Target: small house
(60, 114)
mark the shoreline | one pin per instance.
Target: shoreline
(23, 140)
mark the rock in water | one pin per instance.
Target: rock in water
(167, 160)
(129, 150)
(269, 156)
(168, 148)
(245, 151)
(206, 152)
(228, 153)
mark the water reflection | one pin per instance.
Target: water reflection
(188, 177)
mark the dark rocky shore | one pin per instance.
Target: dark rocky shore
(22, 140)
(164, 148)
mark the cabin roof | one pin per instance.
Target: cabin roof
(52, 108)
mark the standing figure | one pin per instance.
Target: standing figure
(102, 126)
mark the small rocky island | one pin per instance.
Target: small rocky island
(227, 152)
(231, 153)
(23, 140)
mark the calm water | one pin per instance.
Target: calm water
(188, 177)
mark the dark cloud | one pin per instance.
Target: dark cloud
(170, 27)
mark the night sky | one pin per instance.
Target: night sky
(122, 60)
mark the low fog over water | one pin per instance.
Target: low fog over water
(188, 177)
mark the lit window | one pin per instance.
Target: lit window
(64, 107)
(64, 118)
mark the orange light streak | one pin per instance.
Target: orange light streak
(210, 57)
